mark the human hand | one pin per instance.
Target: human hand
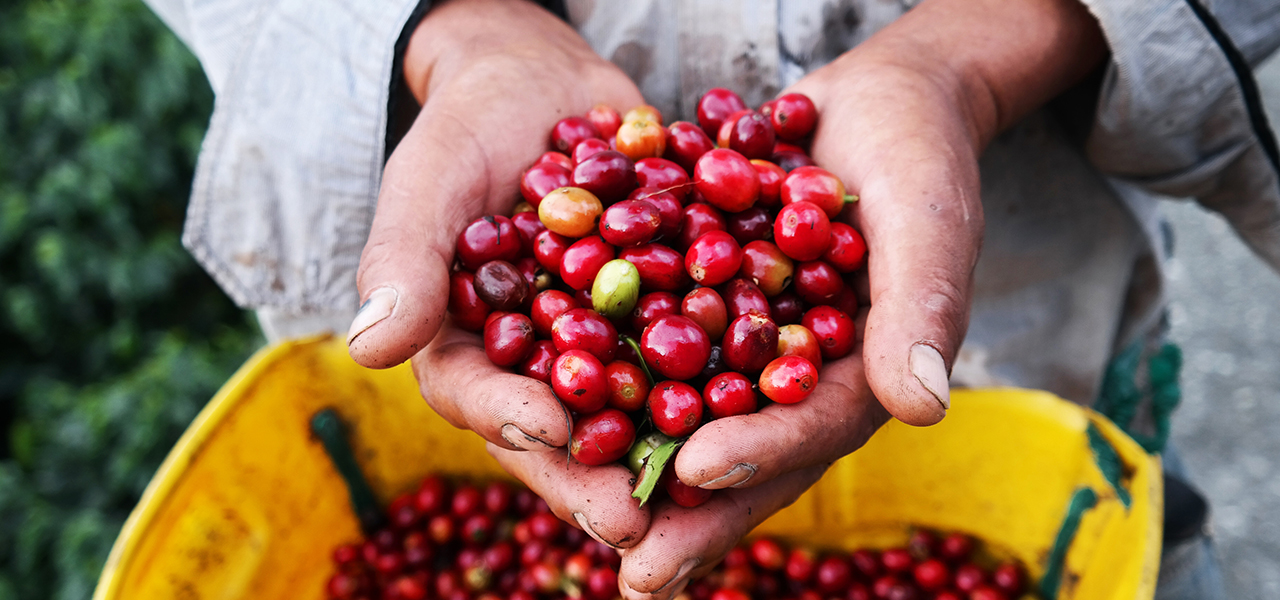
(903, 120)
(493, 77)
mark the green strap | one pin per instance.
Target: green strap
(1109, 463)
(1120, 395)
(1083, 500)
(327, 426)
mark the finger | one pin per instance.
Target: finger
(597, 499)
(510, 410)
(746, 450)
(688, 542)
(915, 170)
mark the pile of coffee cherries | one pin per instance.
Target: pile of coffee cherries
(932, 566)
(655, 279)
(462, 541)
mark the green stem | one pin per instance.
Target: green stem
(643, 366)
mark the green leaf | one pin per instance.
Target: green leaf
(653, 468)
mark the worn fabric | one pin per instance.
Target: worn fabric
(1070, 271)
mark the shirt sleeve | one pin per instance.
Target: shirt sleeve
(289, 170)
(1179, 113)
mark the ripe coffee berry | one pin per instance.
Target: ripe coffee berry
(788, 379)
(602, 437)
(802, 231)
(675, 347)
(833, 329)
(675, 407)
(727, 180)
(628, 386)
(488, 238)
(579, 381)
(729, 394)
(508, 339)
(713, 258)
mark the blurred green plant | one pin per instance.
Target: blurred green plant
(114, 338)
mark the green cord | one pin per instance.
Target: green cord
(1120, 395)
(1083, 500)
(327, 426)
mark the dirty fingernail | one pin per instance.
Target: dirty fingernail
(586, 527)
(928, 368)
(738, 475)
(379, 306)
(668, 590)
(518, 438)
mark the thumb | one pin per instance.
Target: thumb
(924, 229)
(430, 191)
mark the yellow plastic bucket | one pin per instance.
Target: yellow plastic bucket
(248, 505)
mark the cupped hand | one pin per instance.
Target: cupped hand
(493, 77)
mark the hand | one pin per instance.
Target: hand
(493, 77)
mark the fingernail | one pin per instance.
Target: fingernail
(518, 438)
(379, 306)
(736, 476)
(586, 527)
(926, 364)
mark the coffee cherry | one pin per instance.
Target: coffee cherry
(559, 158)
(765, 265)
(548, 305)
(729, 394)
(508, 339)
(741, 297)
(606, 120)
(802, 231)
(570, 131)
(932, 575)
(586, 149)
(848, 251)
(699, 220)
(653, 306)
(797, 340)
(610, 175)
(816, 185)
(675, 407)
(752, 136)
(548, 249)
(750, 343)
(793, 116)
(582, 261)
(468, 310)
(602, 584)
(790, 160)
(660, 267)
(705, 307)
(713, 258)
(969, 577)
(670, 211)
(956, 547)
(725, 132)
(727, 180)
(641, 139)
(752, 224)
(579, 381)
(767, 554)
(662, 174)
(833, 329)
(630, 223)
(584, 329)
(866, 562)
(801, 565)
(986, 592)
(541, 179)
(715, 106)
(644, 112)
(818, 282)
(501, 285)
(788, 379)
(686, 143)
(488, 238)
(683, 495)
(1009, 579)
(570, 211)
(616, 288)
(628, 386)
(771, 177)
(602, 438)
(675, 347)
(833, 575)
(786, 308)
(539, 362)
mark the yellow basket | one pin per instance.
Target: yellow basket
(248, 505)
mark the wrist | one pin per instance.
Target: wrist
(999, 60)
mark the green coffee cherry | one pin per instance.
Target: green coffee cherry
(616, 289)
(643, 447)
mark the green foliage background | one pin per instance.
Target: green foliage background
(113, 337)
